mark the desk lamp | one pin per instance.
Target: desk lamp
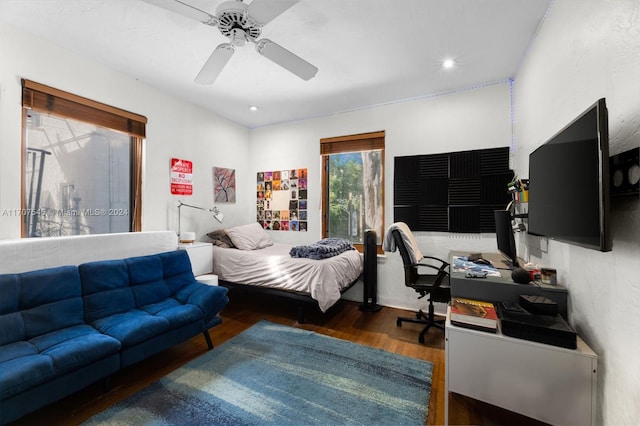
(189, 237)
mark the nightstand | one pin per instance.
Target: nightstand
(201, 257)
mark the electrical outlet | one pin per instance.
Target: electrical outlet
(544, 245)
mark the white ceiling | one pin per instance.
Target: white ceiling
(369, 52)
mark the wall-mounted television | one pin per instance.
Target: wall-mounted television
(569, 182)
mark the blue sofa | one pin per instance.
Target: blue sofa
(64, 328)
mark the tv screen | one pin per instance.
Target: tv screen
(569, 182)
(505, 239)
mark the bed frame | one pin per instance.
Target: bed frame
(369, 278)
(304, 299)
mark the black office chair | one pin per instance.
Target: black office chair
(435, 285)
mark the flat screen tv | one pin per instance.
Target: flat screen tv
(569, 182)
(505, 239)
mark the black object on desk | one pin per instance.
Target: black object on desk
(474, 256)
(538, 305)
(521, 276)
(548, 329)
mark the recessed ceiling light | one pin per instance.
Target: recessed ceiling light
(253, 108)
(447, 64)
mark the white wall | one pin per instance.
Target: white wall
(175, 129)
(587, 50)
(464, 120)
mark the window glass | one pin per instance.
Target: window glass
(355, 196)
(77, 177)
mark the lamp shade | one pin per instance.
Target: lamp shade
(187, 237)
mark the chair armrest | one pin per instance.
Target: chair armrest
(438, 259)
(441, 268)
(425, 265)
(442, 272)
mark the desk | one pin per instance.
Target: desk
(502, 288)
(548, 383)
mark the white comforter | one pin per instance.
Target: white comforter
(273, 267)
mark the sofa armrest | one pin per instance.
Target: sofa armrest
(209, 299)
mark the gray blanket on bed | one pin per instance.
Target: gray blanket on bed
(327, 247)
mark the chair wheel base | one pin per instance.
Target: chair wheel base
(427, 321)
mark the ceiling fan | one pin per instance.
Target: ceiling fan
(242, 23)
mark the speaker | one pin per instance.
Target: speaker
(370, 275)
(624, 171)
(520, 276)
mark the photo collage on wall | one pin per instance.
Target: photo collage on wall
(282, 200)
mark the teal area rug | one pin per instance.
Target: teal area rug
(277, 375)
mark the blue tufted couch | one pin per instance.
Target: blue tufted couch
(66, 327)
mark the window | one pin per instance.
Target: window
(82, 165)
(353, 186)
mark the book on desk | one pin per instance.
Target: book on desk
(476, 314)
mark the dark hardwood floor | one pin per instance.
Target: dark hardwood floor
(344, 321)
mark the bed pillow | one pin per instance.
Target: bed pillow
(220, 238)
(249, 237)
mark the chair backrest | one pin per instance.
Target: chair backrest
(410, 271)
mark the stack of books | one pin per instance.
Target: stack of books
(475, 314)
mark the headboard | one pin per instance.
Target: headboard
(29, 254)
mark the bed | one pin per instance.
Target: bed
(245, 257)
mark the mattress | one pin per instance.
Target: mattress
(273, 267)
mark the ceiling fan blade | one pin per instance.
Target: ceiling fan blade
(264, 11)
(215, 63)
(286, 59)
(185, 9)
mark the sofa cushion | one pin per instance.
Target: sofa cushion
(146, 278)
(132, 327)
(24, 372)
(9, 288)
(50, 299)
(11, 324)
(175, 312)
(75, 347)
(16, 350)
(186, 290)
(177, 270)
(11, 327)
(105, 289)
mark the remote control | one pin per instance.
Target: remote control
(476, 274)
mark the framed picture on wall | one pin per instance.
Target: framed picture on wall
(224, 185)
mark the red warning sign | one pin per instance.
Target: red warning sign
(181, 177)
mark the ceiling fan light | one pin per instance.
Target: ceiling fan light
(238, 37)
